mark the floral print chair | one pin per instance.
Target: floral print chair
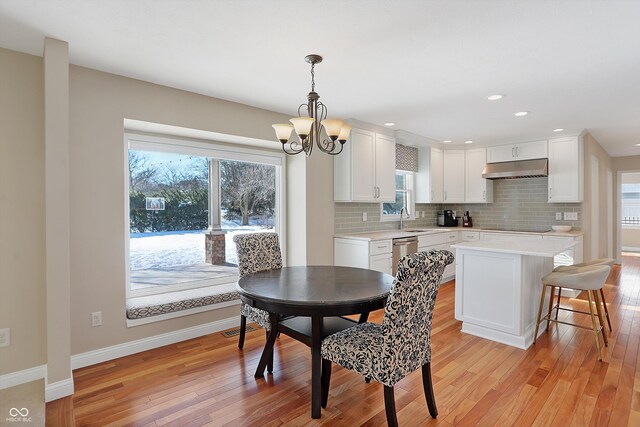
(256, 252)
(402, 343)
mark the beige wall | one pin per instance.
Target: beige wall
(621, 164)
(22, 216)
(593, 148)
(631, 238)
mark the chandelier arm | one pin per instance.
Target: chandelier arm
(292, 150)
(324, 147)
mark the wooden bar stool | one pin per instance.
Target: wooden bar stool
(599, 261)
(590, 279)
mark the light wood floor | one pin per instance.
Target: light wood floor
(208, 381)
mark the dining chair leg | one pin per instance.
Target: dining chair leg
(326, 380)
(428, 390)
(243, 330)
(593, 323)
(535, 335)
(367, 380)
(558, 302)
(551, 295)
(603, 329)
(606, 310)
(390, 407)
(270, 362)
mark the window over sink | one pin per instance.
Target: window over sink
(405, 198)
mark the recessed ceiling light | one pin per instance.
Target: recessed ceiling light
(521, 113)
(447, 141)
(637, 145)
(558, 130)
(468, 142)
(390, 124)
(495, 97)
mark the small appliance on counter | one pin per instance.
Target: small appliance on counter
(447, 218)
(466, 220)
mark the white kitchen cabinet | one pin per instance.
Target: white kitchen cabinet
(504, 237)
(365, 170)
(453, 176)
(441, 241)
(430, 178)
(566, 170)
(522, 151)
(373, 255)
(477, 189)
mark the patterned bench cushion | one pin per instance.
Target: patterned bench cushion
(153, 305)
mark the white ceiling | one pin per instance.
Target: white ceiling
(426, 65)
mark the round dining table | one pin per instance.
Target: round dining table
(306, 302)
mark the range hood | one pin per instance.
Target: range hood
(521, 169)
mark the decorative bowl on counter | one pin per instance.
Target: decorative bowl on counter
(561, 227)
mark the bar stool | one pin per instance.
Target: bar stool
(599, 261)
(590, 279)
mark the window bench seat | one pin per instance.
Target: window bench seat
(172, 302)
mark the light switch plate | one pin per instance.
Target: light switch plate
(96, 318)
(571, 216)
(5, 337)
(558, 216)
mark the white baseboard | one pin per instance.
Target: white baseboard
(120, 350)
(57, 390)
(630, 249)
(22, 377)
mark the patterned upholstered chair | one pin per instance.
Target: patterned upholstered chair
(256, 252)
(402, 343)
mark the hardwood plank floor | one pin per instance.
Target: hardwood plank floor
(208, 381)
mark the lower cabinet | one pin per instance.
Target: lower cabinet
(373, 255)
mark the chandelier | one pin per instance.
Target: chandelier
(308, 127)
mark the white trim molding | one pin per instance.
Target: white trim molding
(631, 248)
(58, 390)
(113, 352)
(22, 377)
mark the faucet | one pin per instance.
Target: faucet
(405, 210)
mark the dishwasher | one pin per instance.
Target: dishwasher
(401, 247)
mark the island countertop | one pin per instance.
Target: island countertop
(543, 248)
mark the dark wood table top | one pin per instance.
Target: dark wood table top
(315, 286)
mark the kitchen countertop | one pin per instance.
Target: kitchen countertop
(539, 247)
(395, 234)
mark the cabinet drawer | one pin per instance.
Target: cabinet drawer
(508, 237)
(469, 236)
(380, 247)
(432, 239)
(452, 237)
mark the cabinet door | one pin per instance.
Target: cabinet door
(362, 165)
(477, 189)
(501, 153)
(385, 168)
(381, 263)
(531, 150)
(565, 170)
(453, 176)
(437, 176)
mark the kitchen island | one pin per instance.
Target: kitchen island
(498, 287)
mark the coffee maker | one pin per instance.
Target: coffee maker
(447, 218)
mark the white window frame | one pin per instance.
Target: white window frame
(410, 190)
(204, 149)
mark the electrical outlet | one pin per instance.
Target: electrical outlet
(96, 318)
(5, 337)
(422, 214)
(558, 216)
(571, 216)
(364, 216)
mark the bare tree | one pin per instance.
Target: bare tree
(247, 188)
(141, 172)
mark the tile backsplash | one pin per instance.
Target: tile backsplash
(518, 204)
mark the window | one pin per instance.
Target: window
(404, 198)
(630, 212)
(186, 201)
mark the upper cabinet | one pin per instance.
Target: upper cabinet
(430, 176)
(477, 189)
(566, 170)
(454, 173)
(511, 152)
(365, 170)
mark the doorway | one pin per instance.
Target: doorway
(630, 213)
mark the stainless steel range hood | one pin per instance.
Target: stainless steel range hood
(520, 169)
